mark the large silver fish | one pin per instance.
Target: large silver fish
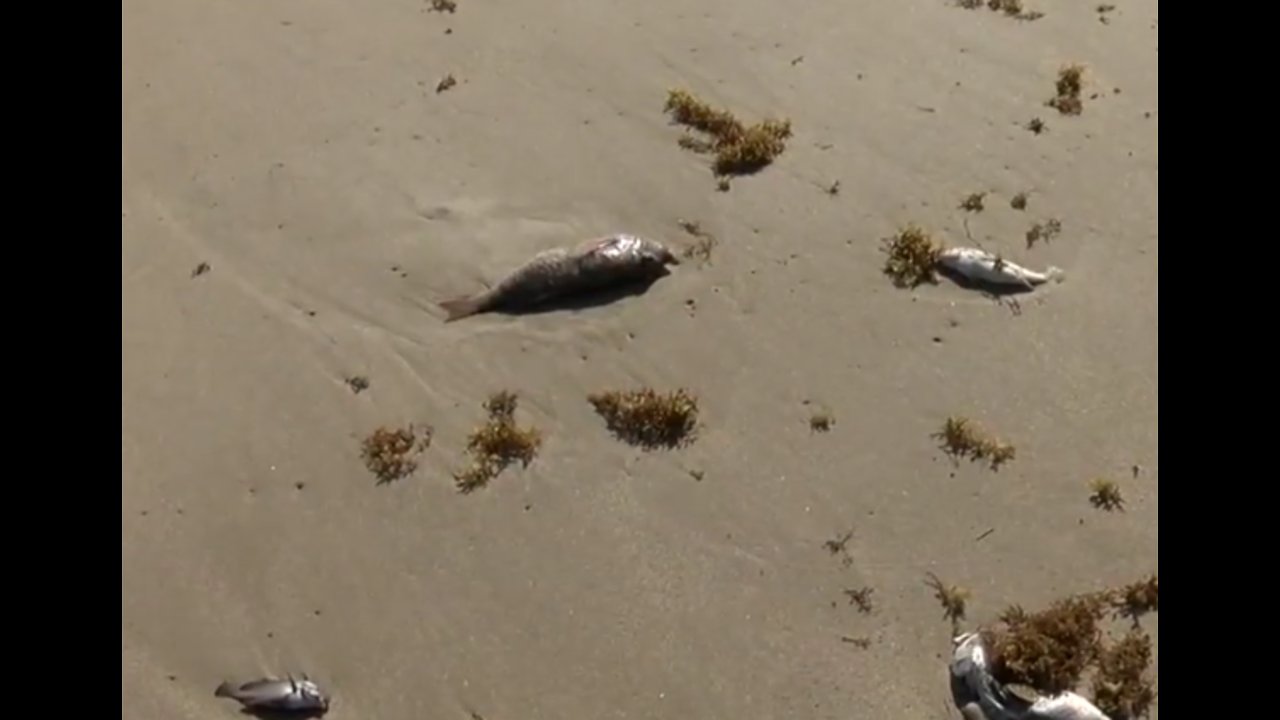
(979, 696)
(596, 264)
(280, 695)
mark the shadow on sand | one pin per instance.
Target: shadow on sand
(587, 300)
(261, 714)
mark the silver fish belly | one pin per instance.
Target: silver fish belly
(288, 694)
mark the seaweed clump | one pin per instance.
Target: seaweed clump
(961, 438)
(1053, 650)
(391, 453)
(913, 257)
(1120, 688)
(1070, 87)
(1049, 650)
(647, 418)
(739, 149)
(498, 443)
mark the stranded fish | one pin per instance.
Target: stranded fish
(287, 695)
(979, 696)
(985, 267)
(596, 264)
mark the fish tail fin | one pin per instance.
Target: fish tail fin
(225, 690)
(461, 307)
(1056, 273)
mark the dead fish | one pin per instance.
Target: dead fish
(985, 267)
(595, 264)
(287, 695)
(979, 696)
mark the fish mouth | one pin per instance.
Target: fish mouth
(655, 268)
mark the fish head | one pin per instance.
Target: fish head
(655, 257)
(967, 652)
(311, 692)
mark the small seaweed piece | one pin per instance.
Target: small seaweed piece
(1070, 87)
(1045, 231)
(839, 545)
(497, 444)
(1014, 9)
(861, 597)
(1011, 8)
(912, 257)
(391, 453)
(501, 406)
(691, 111)
(960, 438)
(1138, 598)
(1019, 201)
(647, 418)
(953, 598)
(757, 147)
(821, 422)
(1105, 495)
(973, 202)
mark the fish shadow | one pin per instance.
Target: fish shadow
(995, 290)
(961, 694)
(263, 714)
(592, 299)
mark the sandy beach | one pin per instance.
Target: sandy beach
(299, 192)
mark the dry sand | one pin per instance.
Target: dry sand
(301, 150)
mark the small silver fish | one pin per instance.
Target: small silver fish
(285, 695)
(986, 267)
(979, 696)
